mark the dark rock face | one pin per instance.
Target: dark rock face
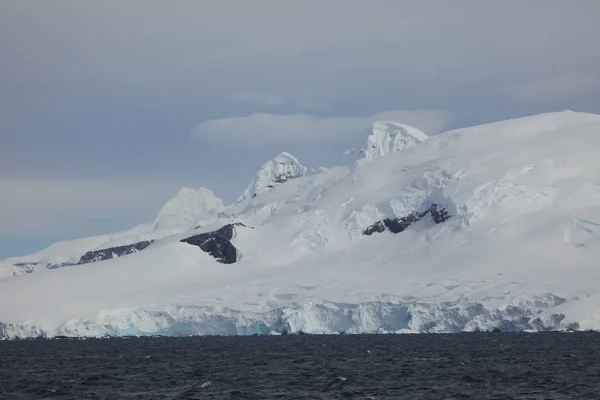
(61, 265)
(377, 227)
(113, 252)
(217, 243)
(438, 214)
(26, 264)
(396, 225)
(30, 267)
(282, 178)
(26, 267)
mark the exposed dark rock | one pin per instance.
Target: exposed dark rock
(396, 225)
(217, 243)
(113, 252)
(61, 265)
(26, 264)
(30, 267)
(377, 227)
(26, 267)
(438, 213)
(282, 178)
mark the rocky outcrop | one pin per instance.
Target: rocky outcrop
(437, 213)
(217, 243)
(60, 265)
(113, 252)
(28, 267)
(25, 267)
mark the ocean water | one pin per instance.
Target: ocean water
(426, 366)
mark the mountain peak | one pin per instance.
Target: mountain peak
(384, 137)
(187, 206)
(285, 157)
(273, 173)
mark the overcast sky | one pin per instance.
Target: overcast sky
(108, 107)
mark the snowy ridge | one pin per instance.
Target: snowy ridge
(66, 253)
(517, 248)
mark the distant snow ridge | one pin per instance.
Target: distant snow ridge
(187, 207)
(272, 174)
(385, 137)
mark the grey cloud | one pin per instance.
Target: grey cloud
(269, 100)
(262, 129)
(564, 86)
(38, 207)
(142, 41)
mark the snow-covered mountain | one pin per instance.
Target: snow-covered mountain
(385, 137)
(492, 226)
(272, 174)
(188, 208)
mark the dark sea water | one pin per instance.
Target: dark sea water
(427, 366)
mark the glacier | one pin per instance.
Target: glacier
(309, 318)
(517, 247)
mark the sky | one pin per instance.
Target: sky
(107, 108)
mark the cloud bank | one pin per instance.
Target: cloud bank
(32, 207)
(262, 129)
(565, 86)
(269, 100)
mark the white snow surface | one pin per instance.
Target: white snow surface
(520, 252)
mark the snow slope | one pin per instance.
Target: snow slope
(520, 250)
(63, 253)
